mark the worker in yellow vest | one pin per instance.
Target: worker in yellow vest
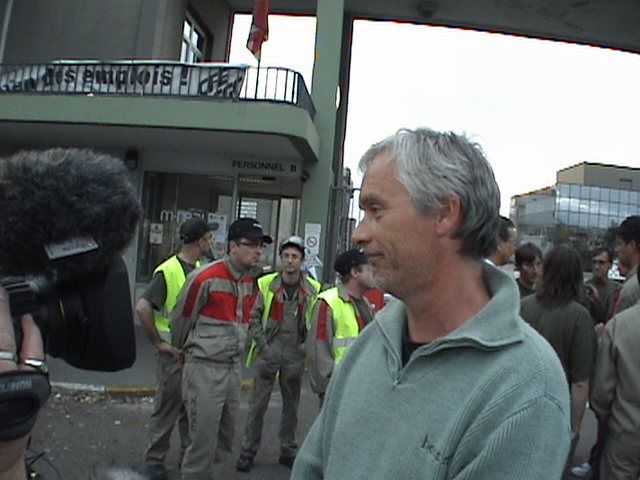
(153, 309)
(338, 316)
(278, 332)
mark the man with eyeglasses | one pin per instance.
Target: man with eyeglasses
(208, 327)
(600, 290)
(153, 309)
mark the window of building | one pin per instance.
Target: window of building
(624, 196)
(603, 221)
(169, 199)
(614, 195)
(194, 41)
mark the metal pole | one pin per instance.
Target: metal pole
(234, 198)
(255, 94)
(5, 28)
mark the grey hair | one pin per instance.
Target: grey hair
(434, 167)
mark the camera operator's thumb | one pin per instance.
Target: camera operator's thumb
(31, 348)
(7, 337)
(24, 385)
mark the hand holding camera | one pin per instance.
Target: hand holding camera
(18, 408)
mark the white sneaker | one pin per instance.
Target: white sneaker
(581, 470)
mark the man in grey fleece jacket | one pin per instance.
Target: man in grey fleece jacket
(448, 382)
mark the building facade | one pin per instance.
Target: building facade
(148, 81)
(585, 202)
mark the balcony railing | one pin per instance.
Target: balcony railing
(216, 81)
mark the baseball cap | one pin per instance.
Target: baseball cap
(248, 228)
(349, 259)
(629, 229)
(293, 241)
(193, 230)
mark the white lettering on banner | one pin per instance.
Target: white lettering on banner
(220, 81)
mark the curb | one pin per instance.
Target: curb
(107, 390)
(120, 390)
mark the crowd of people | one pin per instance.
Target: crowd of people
(468, 372)
(205, 320)
(592, 328)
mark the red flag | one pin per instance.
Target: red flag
(259, 31)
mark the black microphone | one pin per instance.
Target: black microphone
(64, 212)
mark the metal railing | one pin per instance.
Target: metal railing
(219, 81)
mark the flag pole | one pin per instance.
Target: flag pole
(255, 95)
(258, 34)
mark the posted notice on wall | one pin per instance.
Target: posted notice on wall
(155, 234)
(312, 232)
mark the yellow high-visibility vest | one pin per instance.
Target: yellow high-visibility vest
(345, 322)
(174, 278)
(264, 285)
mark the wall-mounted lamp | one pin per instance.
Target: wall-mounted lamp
(131, 160)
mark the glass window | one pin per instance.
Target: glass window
(614, 195)
(583, 220)
(574, 205)
(584, 205)
(614, 209)
(585, 192)
(626, 210)
(573, 218)
(595, 193)
(603, 221)
(575, 190)
(563, 217)
(624, 196)
(593, 220)
(604, 194)
(194, 41)
(633, 199)
(564, 189)
(594, 206)
(169, 199)
(562, 203)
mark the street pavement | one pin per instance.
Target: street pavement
(98, 421)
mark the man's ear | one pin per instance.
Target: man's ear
(449, 217)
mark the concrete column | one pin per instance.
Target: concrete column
(317, 191)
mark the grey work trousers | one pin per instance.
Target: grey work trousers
(620, 457)
(167, 409)
(290, 379)
(211, 394)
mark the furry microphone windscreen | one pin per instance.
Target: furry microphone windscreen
(55, 196)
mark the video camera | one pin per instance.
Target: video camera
(66, 216)
(87, 322)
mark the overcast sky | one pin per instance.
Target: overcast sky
(535, 106)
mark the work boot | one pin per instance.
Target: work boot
(156, 472)
(286, 461)
(244, 464)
